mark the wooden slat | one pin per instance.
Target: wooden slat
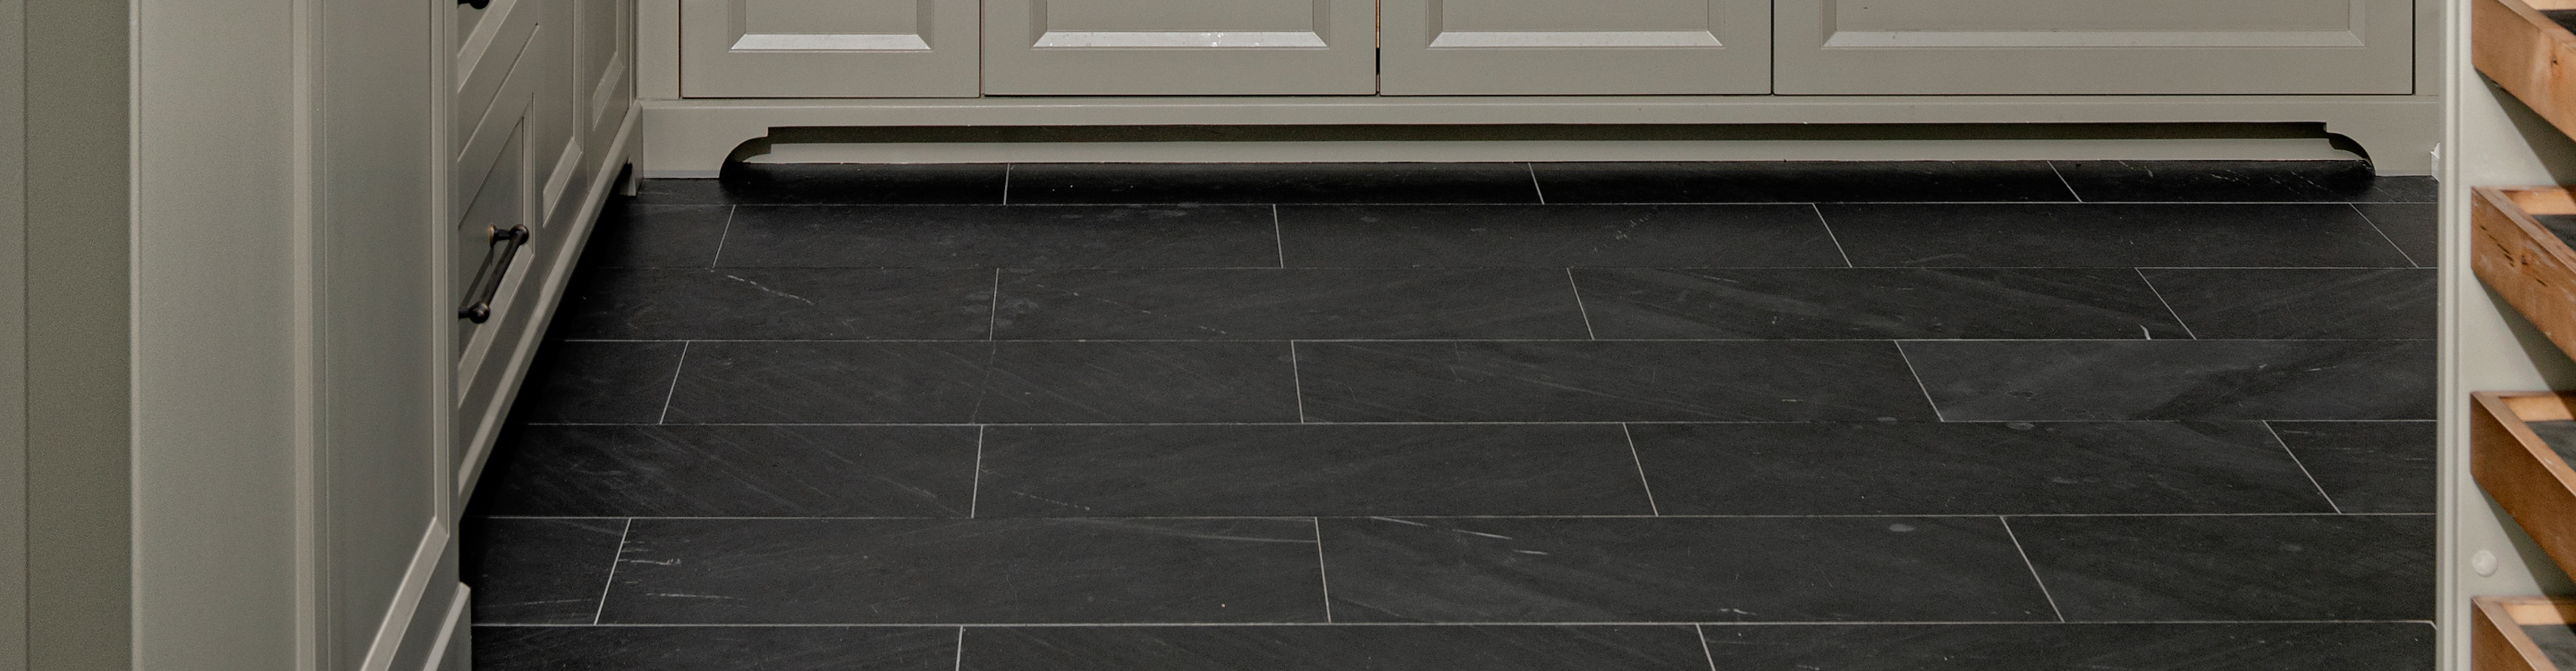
(2520, 472)
(2527, 265)
(2496, 639)
(2528, 54)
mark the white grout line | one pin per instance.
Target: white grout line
(722, 235)
(1006, 189)
(1299, 380)
(961, 649)
(993, 312)
(1278, 239)
(1641, 470)
(1829, 235)
(2303, 466)
(1534, 186)
(2034, 568)
(674, 391)
(975, 491)
(1919, 385)
(2169, 308)
(604, 589)
(1703, 646)
(1578, 305)
(2061, 179)
(1323, 573)
(2383, 235)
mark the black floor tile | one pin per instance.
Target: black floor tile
(1556, 236)
(1677, 569)
(835, 184)
(2260, 646)
(1800, 182)
(534, 571)
(1886, 468)
(656, 236)
(573, 381)
(776, 303)
(1002, 237)
(2288, 303)
(730, 471)
(967, 571)
(2176, 379)
(1606, 381)
(1286, 303)
(2369, 467)
(1334, 648)
(2239, 181)
(1081, 382)
(714, 648)
(1272, 183)
(830, 382)
(2302, 567)
(1255, 470)
(2113, 235)
(1875, 303)
(2415, 227)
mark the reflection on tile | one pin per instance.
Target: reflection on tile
(1555, 236)
(776, 303)
(730, 471)
(830, 382)
(1800, 182)
(714, 648)
(1677, 570)
(2118, 235)
(836, 184)
(537, 571)
(1410, 469)
(2317, 303)
(2234, 646)
(1330, 648)
(1072, 382)
(1272, 183)
(679, 192)
(2176, 379)
(1283, 303)
(1886, 468)
(656, 236)
(1003, 237)
(571, 381)
(2415, 227)
(2300, 567)
(1606, 381)
(844, 571)
(2368, 467)
(2240, 181)
(1875, 303)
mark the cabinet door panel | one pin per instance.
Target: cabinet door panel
(1180, 47)
(1539, 47)
(827, 48)
(2095, 46)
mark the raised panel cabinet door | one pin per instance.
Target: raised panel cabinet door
(827, 48)
(1180, 47)
(1575, 47)
(2094, 47)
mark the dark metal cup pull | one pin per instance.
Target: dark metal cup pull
(487, 282)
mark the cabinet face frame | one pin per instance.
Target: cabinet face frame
(1428, 51)
(721, 58)
(2371, 51)
(1025, 53)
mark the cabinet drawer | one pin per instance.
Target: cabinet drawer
(2094, 47)
(1558, 47)
(827, 48)
(1180, 47)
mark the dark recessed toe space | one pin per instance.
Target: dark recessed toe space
(1677, 416)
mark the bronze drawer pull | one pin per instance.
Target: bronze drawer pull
(487, 282)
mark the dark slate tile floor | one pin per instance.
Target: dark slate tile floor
(1725, 416)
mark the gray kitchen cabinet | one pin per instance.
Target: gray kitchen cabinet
(828, 48)
(1180, 47)
(1980, 47)
(1573, 47)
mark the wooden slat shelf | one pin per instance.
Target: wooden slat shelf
(2521, 48)
(2520, 470)
(2516, 254)
(2517, 633)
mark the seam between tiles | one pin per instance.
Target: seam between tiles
(2034, 568)
(674, 390)
(993, 312)
(1006, 200)
(1297, 382)
(1640, 462)
(722, 235)
(1534, 185)
(2061, 181)
(1831, 236)
(975, 491)
(2303, 466)
(1704, 652)
(2383, 235)
(1323, 574)
(613, 560)
(2169, 308)
(1278, 238)
(1579, 308)
(1919, 384)
(961, 650)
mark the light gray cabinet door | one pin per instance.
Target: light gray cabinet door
(827, 48)
(1180, 47)
(1543, 47)
(2094, 46)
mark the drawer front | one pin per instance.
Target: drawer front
(1180, 47)
(827, 48)
(2095, 47)
(1569, 47)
